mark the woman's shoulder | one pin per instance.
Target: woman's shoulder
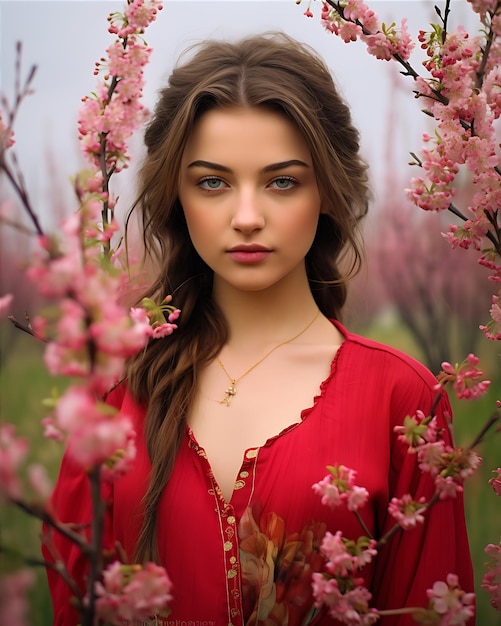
(375, 355)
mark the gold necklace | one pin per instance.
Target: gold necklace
(232, 389)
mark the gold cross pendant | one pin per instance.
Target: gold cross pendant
(230, 392)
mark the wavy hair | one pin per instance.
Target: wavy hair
(275, 72)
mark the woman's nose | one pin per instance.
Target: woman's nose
(248, 212)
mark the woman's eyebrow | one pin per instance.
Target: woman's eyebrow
(209, 165)
(273, 167)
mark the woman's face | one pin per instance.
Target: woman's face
(250, 197)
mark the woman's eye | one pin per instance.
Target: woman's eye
(211, 184)
(284, 182)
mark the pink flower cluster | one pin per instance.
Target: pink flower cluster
(13, 453)
(95, 433)
(350, 607)
(450, 604)
(14, 607)
(467, 380)
(341, 590)
(406, 511)
(492, 330)
(344, 556)
(132, 592)
(353, 19)
(338, 488)
(495, 481)
(448, 466)
(6, 135)
(462, 92)
(157, 319)
(89, 334)
(109, 117)
(465, 105)
(491, 581)
(138, 15)
(417, 430)
(5, 303)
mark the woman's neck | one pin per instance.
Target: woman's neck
(260, 318)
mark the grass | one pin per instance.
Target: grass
(24, 383)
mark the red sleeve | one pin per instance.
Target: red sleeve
(414, 559)
(71, 503)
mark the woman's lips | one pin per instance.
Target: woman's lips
(249, 254)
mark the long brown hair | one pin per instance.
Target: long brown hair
(272, 71)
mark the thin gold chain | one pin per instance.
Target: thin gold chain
(232, 389)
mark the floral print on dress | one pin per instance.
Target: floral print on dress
(277, 568)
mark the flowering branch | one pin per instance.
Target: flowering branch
(463, 95)
(12, 170)
(88, 334)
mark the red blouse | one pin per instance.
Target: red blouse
(249, 561)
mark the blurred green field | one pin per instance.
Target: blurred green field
(24, 383)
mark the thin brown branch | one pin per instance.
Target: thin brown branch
(21, 192)
(43, 515)
(26, 328)
(96, 555)
(494, 418)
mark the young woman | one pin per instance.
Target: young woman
(250, 196)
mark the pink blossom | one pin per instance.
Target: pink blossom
(71, 328)
(132, 592)
(343, 556)
(96, 433)
(447, 487)
(431, 455)
(14, 606)
(51, 431)
(379, 46)
(77, 406)
(114, 333)
(13, 451)
(163, 330)
(483, 6)
(121, 461)
(495, 482)
(350, 608)
(348, 31)
(450, 602)
(492, 88)
(339, 561)
(406, 511)
(5, 303)
(356, 10)
(417, 430)
(491, 581)
(55, 278)
(447, 465)
(466, 378)
(99, 441)
(492, 330)
(339, 488)
(39, 481)
(6, 135)
(109, 117)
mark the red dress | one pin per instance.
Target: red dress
(250, 561)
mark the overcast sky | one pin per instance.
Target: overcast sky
(64, 38)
